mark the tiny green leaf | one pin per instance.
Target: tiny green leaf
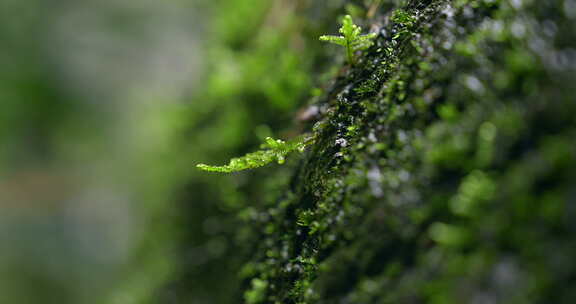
(351, 38)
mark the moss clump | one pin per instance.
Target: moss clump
(442, 169)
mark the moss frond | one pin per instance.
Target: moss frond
(351, 38)
(272, 150)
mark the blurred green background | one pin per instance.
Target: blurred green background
(106, 106)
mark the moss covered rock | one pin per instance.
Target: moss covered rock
(444, 168)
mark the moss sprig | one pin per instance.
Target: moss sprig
(272, 150)
(351, 38)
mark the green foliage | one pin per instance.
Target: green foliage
(257, 293)
(404, 18)
(255, 76)
(438, 174)
(272, 150)
(351, 38)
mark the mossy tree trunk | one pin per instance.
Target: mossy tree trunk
(444, 169)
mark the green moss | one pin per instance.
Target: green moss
(257, 293)
(404, 18)
(273, 150)
(351, 38)
(420, 173)
(441, 169)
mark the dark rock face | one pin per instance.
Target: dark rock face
(444, 169)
